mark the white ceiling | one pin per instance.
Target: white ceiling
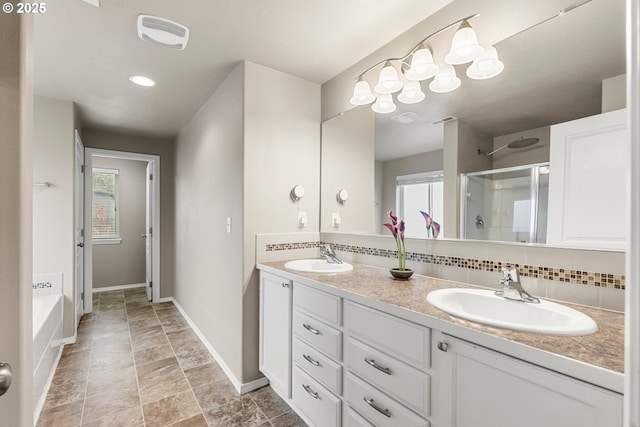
(85, 54)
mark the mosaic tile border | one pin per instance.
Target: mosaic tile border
(604, 280)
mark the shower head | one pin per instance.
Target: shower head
(518, 143)
(523, 142)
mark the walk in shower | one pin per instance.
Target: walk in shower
(508, 205)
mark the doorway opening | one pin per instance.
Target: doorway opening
(104, 220)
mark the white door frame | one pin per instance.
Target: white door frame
(155, 201)
(79, 232)
(632, 291)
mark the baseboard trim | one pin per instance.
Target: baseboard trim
(239, 386)
(119, 287)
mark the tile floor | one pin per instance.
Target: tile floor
(140, 364)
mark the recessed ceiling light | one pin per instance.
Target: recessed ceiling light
(142, 81)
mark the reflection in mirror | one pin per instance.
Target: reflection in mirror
(555, 72)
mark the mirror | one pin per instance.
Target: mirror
(557, 70)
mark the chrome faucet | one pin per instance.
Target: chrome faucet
(511, 288)
(329, 254)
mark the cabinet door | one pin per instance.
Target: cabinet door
(488, 389)
(589, 162)
(275, 332)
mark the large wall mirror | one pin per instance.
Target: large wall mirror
(417, 158)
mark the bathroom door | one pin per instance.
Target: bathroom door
(79, 226)
(149, 232)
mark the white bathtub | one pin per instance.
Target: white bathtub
(47, 339)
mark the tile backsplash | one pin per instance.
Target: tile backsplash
(589, 277)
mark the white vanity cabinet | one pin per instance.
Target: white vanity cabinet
(479, 387)
(275, 331)
(317, 356)
(388, 361)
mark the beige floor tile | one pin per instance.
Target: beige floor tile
(101, 380)
(68, 415)
(269, 402)
(171, 409)
(161, 379)
(64, 391)
(153, 354)
(197, 421)
(289, 419)
(204, 374)
(242, 412)
(191, 353)
(214, 395)
(131, 417)
(114, 399)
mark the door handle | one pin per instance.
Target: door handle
(80, 245)
(144, 236)
(5, 377)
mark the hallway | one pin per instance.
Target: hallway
(140, 364)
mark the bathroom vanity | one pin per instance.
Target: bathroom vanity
(360, 349)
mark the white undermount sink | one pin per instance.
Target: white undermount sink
(317, 265)
(483, 306)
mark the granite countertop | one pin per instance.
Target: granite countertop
(603, 349)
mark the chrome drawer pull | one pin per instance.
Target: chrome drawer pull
(310, 329)
(311, 393)
(373, 363)
(310, 360)
(372, 403)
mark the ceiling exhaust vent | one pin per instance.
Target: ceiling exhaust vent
(162, 32)
(444, 120)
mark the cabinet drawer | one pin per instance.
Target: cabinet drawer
(315, 401)
(405, 340)
(382, 410)
(318, 366)
(320, 335)
(399, 380)
(319, 304)
(354, 419)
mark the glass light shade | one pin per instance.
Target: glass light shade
(422, 65)
(464, 46)
(411, 93)
(384, 104)
(388, 81)
(445, 81)
(362, 93)
(486, 66)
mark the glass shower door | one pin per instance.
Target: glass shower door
(506, 204)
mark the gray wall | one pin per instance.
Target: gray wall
(129, 255)
(208, 190)
(166, 150)
(254, 139)
(53, 207)
(281, 149)
(348, 161)
(16, 124)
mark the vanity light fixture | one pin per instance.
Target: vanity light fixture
(486, 65)
(445, 81)
(421, 66)
(388, 81)
(464, 46)
(362, 93)
(384, 104)
(142, 81)
(411, 93)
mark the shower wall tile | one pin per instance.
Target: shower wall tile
(611, 299)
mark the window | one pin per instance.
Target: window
(420, 192)
(105, 210)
